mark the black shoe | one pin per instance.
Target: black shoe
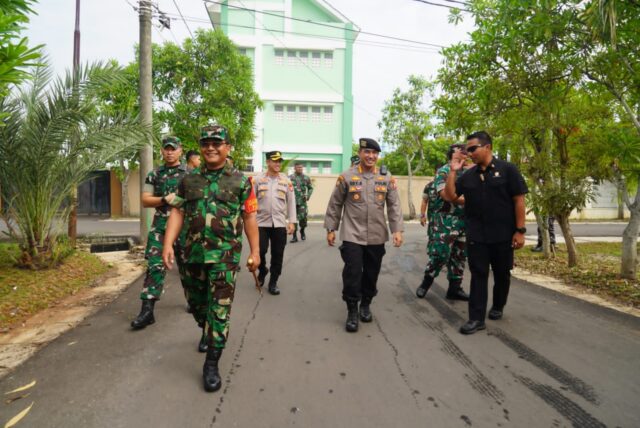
(261, 276)
(424, 287)
(472, 326)
(495, 314)
(145, 317)
(295, 238)
(455, 292)
(352, 317)
(537, 249)
(365, 310)
(303, 236)
(203, 346)
(210, 372)
(273, 285)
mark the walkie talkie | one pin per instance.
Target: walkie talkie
(383, 170)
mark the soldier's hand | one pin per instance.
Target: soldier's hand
(397, 239)
(255, 258)
(331, 238)
(291, 227)
(168, 257)
(169, 198)
(457, 161)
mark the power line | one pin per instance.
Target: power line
(183, 20)
(326, 25)
(444, 5)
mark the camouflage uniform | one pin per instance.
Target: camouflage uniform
(160, 182)
(212, 203)
(303, 189)
(446, 244)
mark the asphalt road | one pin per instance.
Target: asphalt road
(553, 361)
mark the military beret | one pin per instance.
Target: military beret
(274, 155)
(171, 142)
(214, 132)
(369, 143)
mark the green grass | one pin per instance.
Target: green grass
(24, 292)
(598, 270)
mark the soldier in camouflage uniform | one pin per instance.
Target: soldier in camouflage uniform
(446, 244)
(303, 189)
(214, 202)
(158, 192)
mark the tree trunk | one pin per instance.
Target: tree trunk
(543, 225)
(412, 208)
(125, 194)
(629, 262)
(620, 206)
(572, 250)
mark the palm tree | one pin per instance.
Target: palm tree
(52, 139)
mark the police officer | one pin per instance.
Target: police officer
(359, 198)
(446, 244)
(303, 189)
(276, 204)
(494, 208)
(214, 202)
(158, 192)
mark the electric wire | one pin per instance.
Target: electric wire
(442, 5)
(183, 20)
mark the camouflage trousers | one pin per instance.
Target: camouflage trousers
(210, 294)
(154, 277)
(449, 250)
(302, 211)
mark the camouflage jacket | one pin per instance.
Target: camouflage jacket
(213, 202)
(447, 218)
(160, 182)
(302, 187)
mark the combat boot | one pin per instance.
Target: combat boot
(365, 310)
(303, 236)
(273, 285)
(262, 275)
(455, 291)
(425, 286)
(210, 372)
(295, 237)
(202, 345)
(352, 317)
(145, 317)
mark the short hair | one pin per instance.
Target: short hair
(482, 136)
(452, 149)
(298, 164)
(192, 153)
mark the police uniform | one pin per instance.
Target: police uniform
(303, 189)
(358, 201)
(276, 208)
(162, 181)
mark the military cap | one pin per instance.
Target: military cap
(369, 143)
(171, 142)
(214, 132)
(274, 155)
(355, 159)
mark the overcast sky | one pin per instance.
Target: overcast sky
(109, 29)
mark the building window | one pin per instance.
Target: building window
(248, 165)
(328, 59)
(279, 111)
(328, 114)
(292, 59)
(304, 56)
(315, 59)
(314, 167)
(315, 114)
(303, 113)
(291, 113)
(327, 168)
(279, 53)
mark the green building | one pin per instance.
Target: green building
(302, 51)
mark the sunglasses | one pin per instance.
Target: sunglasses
(474, 148)
(214, 144)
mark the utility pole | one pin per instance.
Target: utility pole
(72, 227)
(146, 152)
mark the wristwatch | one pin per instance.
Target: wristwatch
(164, 201)
(522, 230)
(330, 230)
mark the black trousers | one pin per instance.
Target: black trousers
(361, 269)
(481, 256)
(552, 232)
(278, 238)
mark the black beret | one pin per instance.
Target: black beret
(369, 143)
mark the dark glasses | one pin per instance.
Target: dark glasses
(474, 148)
(214, 144)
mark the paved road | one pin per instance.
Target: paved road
(553, 361)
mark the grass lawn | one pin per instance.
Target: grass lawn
(598, 269)
(25, 292)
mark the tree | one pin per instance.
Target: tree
(406, 124)
(435, 157)
(53, 139)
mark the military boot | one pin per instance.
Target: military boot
(303, 236)
(145, 317)
(295, 237)
(273, 285)
(424, 287)
(365, 310)
(202, 345)
(455, 291)
(262, 274)
(210, 372)
(352, 317)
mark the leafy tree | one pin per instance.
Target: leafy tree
(53, 139)
(435, 157)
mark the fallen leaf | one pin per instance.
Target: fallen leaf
(72, 343)
(11, 400)
(17, 418)
(22, 388)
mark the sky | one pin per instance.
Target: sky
(109, 30)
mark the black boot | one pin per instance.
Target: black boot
(273, 285)
(295, 237)
(210, 372)
(145, 317)
(424, 287)
(202, 346)
(455, 291)
(262, 275)
(365, 310)
(302, 235)
(352, 317)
